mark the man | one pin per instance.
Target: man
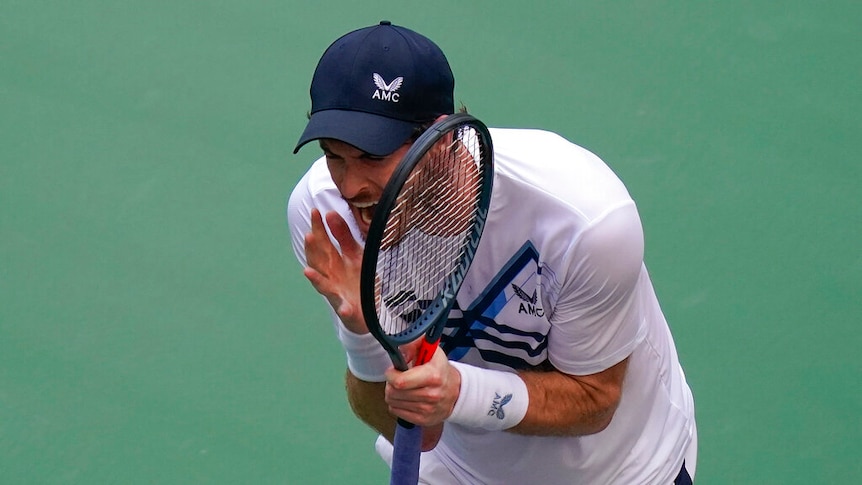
(556, 326)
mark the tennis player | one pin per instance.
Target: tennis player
(557, 365)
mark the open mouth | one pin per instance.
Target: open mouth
(365, 210)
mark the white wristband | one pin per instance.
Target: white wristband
(366, 358)
(489, 399)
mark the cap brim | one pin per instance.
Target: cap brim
(373, 134)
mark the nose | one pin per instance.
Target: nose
(349, 179)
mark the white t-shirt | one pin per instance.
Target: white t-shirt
(558, 278)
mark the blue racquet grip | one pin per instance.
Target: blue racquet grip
(405, 455)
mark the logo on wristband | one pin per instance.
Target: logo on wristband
(497, 405)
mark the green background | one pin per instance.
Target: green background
(155, 328)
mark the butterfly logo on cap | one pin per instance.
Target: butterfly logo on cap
(387, 92)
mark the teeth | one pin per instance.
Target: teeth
(366, 210)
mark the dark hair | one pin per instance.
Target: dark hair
(419, 129)
(422, 128)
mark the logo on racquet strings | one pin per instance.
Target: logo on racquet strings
(387, 92)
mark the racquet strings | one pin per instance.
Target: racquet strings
(428, 229)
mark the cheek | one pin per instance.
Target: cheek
(384, 172)
(381, 179)
(336, 172)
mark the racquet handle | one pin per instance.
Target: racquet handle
(426, 351)
(407, 448)
(407, 445)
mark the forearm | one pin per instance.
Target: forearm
(542, 402)
(366, 401)
(566, 405)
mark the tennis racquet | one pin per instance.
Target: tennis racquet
(420, 244)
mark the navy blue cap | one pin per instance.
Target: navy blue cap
(374, 86)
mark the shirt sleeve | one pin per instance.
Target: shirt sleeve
(597, 320)
(299, 217)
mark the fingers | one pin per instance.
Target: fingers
(433, 373)
(323, 285)
(317, 227)
(318, 247)
(334, 274)
(318, 237)
(324, 262)
(321, 254)
(425, 394)
(341, 231)
(409, 350)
